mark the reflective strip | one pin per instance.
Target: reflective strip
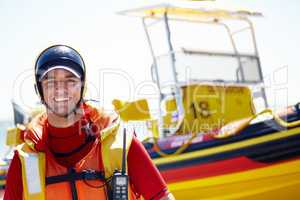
(32, 173)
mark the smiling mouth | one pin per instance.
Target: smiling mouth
(61, 99)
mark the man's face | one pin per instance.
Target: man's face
(61, 90)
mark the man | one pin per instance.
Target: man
(72, 150)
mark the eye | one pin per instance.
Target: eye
(48, 83)
(72, 82)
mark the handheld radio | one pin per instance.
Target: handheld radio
(119, 182)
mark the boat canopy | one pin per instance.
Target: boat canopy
(177, 65)
(194, 14)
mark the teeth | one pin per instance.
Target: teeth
(61, 99)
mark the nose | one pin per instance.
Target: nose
(60, 85)
(60, 90)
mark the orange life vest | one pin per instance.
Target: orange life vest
(45, 179)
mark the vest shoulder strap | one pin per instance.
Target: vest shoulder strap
(33, 172)
(112, 148)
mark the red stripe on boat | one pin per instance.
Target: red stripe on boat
(211, 169)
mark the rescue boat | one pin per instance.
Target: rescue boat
(215, 136)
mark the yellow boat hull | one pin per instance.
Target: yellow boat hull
(280, 181)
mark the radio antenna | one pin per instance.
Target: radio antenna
(124, 153)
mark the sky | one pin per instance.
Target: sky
(115, 50)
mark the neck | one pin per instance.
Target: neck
(62, 122)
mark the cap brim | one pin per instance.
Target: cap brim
(59, 67)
